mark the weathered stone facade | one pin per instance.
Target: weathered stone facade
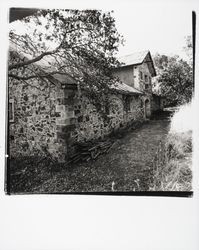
(137, 71)
(91, 125)
(49, 117)
(137, 76)
(33, 128)
(143, 77)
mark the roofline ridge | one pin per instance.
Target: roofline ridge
(142, 51)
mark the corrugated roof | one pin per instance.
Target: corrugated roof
(135, 58)
(124, 88)
(138, 58)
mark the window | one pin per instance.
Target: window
(128, 104)
(146, 86)
(146, 78)
(149, 79)
(141, 75)
(11, 110)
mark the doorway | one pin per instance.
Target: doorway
(147, 108)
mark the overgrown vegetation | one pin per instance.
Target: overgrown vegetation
(174, 79)
(172, 166)
(79, 45)
(174, 76)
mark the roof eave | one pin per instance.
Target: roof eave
(128, 65)
(125, 92)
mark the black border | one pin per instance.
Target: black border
(182, 194)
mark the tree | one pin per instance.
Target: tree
(160, 62)
(78, 44)
(175, 76)
(175, 79)
(188, 48)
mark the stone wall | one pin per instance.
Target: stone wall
(50, 119)
(131, 76)
(35, 128)
(91, 124)
(139, 82)
(126, 75)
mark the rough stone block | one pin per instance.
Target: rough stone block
(60, 94)
(60, 108)
(63, 136)
(70, 108)
(73, 121)
(68, 128)
(77, 112)
(80, 118)
(60, 121)
(66, 115)
(70, 114)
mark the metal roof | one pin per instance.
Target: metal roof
(138, 58)
(135, 58)
(126, 89)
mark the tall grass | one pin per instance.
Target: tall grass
(172, 168)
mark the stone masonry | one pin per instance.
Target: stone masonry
(49, 119)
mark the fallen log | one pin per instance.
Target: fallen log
(110, 147)
(89, 150)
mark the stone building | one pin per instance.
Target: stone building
(137, 71)
(48, 116)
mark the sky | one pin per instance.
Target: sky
(157, 26)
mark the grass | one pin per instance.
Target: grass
(26, 173)
(41, 175)
(128, 166)
(172, 168)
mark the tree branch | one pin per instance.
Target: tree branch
(36, 59)
(43, 75)
(22, 77)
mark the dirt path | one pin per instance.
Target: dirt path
(128, 164)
